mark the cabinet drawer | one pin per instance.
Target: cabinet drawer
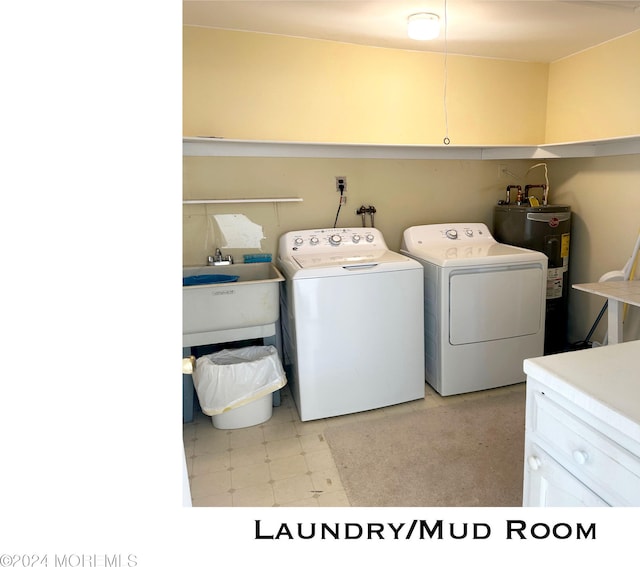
(604, 466)
(547, 483)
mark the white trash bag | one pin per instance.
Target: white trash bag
(234, 377)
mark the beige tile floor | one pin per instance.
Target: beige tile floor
(282, 462)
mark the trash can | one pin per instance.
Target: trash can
(235, 386)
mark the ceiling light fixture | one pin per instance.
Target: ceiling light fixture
(423, 26)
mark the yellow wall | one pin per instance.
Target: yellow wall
(604, 194)
(404, 192)
(595, 94)
(239, 85)
(263, 87)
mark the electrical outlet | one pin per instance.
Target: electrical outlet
(341, 183)
(504, 172)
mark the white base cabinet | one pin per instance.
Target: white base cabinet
(582, 442)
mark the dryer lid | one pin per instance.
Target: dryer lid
(460, 244)
(477, 254)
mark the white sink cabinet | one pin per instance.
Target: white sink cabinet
(582, 442)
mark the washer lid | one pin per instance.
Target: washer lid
(477, 254)
(351, 258)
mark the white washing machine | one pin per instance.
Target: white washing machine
(484, 306)
(352, 321)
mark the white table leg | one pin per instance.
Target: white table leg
(615, 321)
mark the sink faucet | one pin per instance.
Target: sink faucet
(219, 260)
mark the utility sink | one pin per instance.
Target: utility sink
(222, 312)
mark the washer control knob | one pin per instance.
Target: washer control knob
(314, 240)
(468, 232)
(335, 239)
(356, 238)
(298, 241)
(370, 237)
(452, 234)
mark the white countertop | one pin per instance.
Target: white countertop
(625, 291)
(606, 380)
(617, 293)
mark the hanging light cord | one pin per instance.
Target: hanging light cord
(446, 139)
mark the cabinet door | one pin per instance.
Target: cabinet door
(547, 483)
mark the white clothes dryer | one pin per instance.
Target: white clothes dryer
(484, 306)
(352, 321)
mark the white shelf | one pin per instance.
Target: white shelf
(196, 146)
(224, 201)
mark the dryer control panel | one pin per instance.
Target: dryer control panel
(439, 234)
(327, 239)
